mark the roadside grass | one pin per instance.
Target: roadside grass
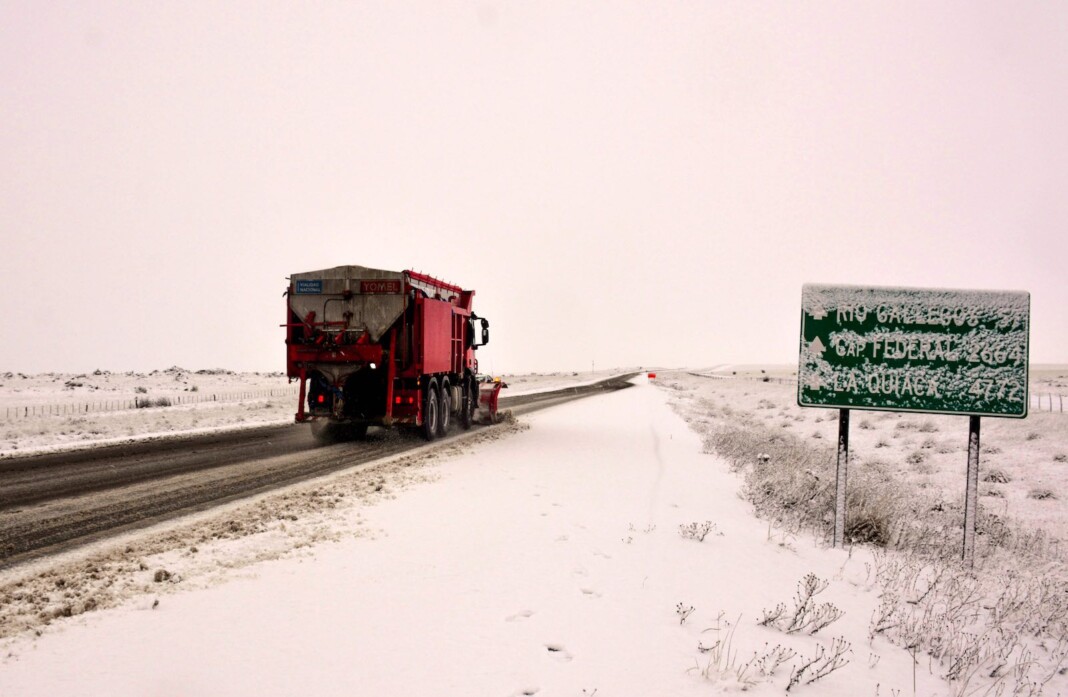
(999, 628)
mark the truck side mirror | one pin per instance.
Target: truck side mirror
(485, 331)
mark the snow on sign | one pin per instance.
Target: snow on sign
(913, 349)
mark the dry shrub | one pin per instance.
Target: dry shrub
(1041, 494)
(794, 484)
(147, 402)
(871, 515)
(997, 476)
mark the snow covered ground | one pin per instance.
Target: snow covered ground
(590, 549)
(71, 411)
(998, 628)
(558, 556)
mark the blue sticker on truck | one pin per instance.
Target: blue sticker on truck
(309, 287)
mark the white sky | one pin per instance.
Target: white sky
(626, 183)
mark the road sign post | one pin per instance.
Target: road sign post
(919, 350)
(971, 489)
(840, 476)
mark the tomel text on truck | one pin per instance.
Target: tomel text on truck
(383, 347)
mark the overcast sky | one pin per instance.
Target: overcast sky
(625, 183)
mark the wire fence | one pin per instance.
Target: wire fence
(1048, 401)
(141, 402)
(756, 378)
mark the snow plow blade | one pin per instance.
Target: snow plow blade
(488, 393)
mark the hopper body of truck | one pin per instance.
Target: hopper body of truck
(381, 347)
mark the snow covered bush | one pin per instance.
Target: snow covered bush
(697, 531)
(823, 662)
(997, 475)
(806, 615)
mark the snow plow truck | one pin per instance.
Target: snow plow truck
(375, 347)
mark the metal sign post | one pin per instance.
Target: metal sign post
(971, 490)
(841, 472)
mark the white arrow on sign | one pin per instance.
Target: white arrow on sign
(814, 382)
(818, 313)
(817, 347)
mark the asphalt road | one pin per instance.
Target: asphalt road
(52, 502)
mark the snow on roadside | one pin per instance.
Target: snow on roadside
(549, 562)
(547, 382)
(236, 408)
(44, 434)
(905, 492)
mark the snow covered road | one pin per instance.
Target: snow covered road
(61, 499)
(549, 562)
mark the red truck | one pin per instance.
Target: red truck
(381, 347)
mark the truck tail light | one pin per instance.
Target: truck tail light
(321, 399)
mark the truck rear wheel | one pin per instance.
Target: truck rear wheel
(445, 412)
(468, 401)
(430, 410)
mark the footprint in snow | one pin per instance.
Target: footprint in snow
(562, 538)
(526, 692)
(589, 592)
(558, 652)
(602, 555)
(519, 616)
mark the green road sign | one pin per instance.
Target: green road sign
(914, 349)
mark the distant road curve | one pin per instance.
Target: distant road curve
(56, 501)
